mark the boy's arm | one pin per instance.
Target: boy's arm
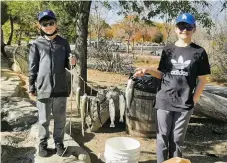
(68, 51)
(153, 71)
(203, 71)
(33, 67)
(70, 59)
(199, 87)
(157, 73)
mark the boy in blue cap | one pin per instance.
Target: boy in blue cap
(182, 64)
(48, 58)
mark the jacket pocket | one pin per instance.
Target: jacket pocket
(60, 82)
(43, 83)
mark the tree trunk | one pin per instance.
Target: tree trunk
(142, 45)
(97, 43)
(128, 46)
(90, 39)
(19, 39)
(11, 31)
(213, 106)
(133, 42)
(98, 33)
(3, 44)
(81, 45)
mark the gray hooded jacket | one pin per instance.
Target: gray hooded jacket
(47, 62)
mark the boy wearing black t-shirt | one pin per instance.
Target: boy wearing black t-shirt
(182, 69)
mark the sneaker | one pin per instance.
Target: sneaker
(43, 149)
(60, 150)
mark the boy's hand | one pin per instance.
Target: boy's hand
(32, 90)
(72, 60)
(140, 72)
(32, 93)
(195, 100)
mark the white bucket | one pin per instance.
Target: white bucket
(122, 150)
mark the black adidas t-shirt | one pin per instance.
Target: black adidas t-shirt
(180, 66)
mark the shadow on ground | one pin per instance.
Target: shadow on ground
(78, 137)
(207, 159)
(12, 154)
(119, 127)
(81, 140)
(205, 140)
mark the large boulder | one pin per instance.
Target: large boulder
(18, 57)
(17, 147)
(18, 114)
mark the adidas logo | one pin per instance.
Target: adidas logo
(180, 65)
(181, 72)
(184, 16)
(45, 13)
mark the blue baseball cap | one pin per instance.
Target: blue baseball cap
(46, 13)
(187, 18)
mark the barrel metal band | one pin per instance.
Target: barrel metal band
(139, 120)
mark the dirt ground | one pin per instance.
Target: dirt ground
(206, 139)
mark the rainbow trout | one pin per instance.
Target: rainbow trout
(121, 107)
(112, 112)
(129, 93)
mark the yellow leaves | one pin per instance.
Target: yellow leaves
(213, 44)
(109, 33)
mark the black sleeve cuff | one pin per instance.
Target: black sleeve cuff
(32, 88)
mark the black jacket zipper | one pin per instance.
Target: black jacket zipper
(51, 68)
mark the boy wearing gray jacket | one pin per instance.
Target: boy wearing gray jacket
(48, 58)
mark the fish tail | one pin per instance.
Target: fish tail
(121, 119)
(112, 124)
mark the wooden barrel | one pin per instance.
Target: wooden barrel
(140, 118)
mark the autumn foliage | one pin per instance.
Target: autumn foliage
(131, 28)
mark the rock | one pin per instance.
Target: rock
(5, 126)
(19, 113)
(17, 147)
(10, 85)
(18, 56)
(10, 50)
(12, 154)
(12, 139)
(16, 68)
